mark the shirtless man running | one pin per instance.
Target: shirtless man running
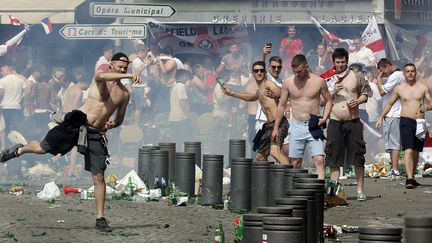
(267, 95)
(106, 95)
(304, 89)
(412, 123)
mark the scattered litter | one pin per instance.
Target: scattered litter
(330, 231)
(39, 233)
(349, 228)
(60, 221)
(128, 234)
(49, 191)
(16, 190)
(121, 185)
(429, 192)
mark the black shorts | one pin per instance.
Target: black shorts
(97, 152)
(58, 141)
(266, 139)
(345, 143)
(409, 140)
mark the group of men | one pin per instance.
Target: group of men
(339, 91)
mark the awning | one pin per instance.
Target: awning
(33, 11)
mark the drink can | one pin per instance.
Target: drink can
(226, 204)
(83, 195)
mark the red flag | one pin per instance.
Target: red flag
(14, 20)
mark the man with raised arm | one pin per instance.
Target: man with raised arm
(267, 95)
(106, 95)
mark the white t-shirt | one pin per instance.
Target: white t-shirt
(178, 62)
(13, 91)
(372, 105)
(393, 80)
(139, 64)
(364, 56)
(177, 93)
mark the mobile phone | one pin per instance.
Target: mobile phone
(269, 44)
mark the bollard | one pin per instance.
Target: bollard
(237, 149)
(194, 147)
(158, 170)
(212, 179)
(185, 172)
(276, 182)
(382, 234)
(259, 185)
(418, 229)
(299, 207)
(307, 184)
(289, 175)
(282, 229)
(144, 162)
(241, 184)
(171, 148)
(253, 226)
(311, 230)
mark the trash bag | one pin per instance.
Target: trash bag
(49, 191)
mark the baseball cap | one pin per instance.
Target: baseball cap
(120, 57)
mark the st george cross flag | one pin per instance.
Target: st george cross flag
(46, 24)
(373, 40)
(14, 20)
(10, 44)
(371, 37)
(328, 36)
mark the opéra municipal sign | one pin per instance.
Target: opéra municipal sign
(131, 10)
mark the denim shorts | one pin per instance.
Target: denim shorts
(299, 137)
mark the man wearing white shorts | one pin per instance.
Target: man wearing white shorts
(391, 121)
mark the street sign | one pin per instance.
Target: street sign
(103, 31)
(131, 10)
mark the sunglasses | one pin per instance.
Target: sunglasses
(276, 67)
(259, 70)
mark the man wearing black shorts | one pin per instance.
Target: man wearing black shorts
(106, 95)
(412, 122)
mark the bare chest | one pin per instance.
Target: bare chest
(350, 83)
(306, 90)
(411, 93)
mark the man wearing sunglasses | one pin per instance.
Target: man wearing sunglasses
(273, 74)
(303, 89)
(268, 94)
